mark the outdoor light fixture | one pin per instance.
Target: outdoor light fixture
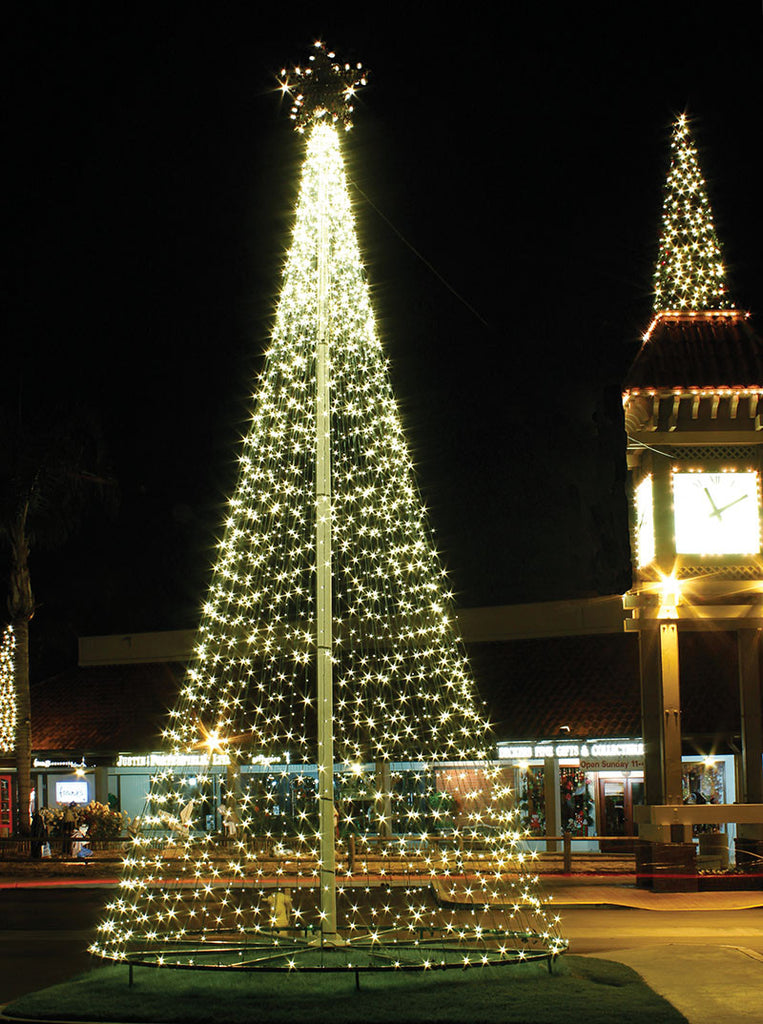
(670, 597)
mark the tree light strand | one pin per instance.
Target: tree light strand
(8, 706)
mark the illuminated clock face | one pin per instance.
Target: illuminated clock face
(644, 522)
(716, 513)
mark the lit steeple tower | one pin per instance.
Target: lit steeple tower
(692, 402)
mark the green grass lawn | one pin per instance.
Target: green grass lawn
(579, 990)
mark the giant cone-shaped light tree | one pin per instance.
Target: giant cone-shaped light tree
(364, 826)
(690, 274)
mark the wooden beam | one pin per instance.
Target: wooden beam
(654, 423)
(673, 421)
(697, 814)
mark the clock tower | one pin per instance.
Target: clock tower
(694, 418)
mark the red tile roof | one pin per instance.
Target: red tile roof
(531, 688)
(701, 351)
(534, 687)
(104, 708)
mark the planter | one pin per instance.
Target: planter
(666, 867)
(714, 846)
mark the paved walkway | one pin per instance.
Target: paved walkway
(718, 985)
(621, 891)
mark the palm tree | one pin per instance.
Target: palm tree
(50, 470)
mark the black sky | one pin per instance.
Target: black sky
(523, 155)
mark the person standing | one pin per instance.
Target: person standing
(38, 833)
(70, 820)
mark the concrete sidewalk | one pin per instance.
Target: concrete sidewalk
(718, 985)
(708, 985)
(621, 891)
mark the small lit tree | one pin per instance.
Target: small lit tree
(7, 691)
(690, 273)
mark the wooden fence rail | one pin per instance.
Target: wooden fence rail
(16, 848)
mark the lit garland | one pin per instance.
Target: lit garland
(430, 841)
(690, 272)
(7, 691)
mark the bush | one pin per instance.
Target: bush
(102, 822)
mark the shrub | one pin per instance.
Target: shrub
(102, 822)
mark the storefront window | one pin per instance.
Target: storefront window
(576, 801)
(704, 783)
(532, 801)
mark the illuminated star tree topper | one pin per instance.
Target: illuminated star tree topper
(690, 273)
(323, 89)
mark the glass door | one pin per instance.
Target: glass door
(613, 807)
(615, 800)
(6, 805)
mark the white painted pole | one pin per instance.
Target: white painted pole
(324, 637)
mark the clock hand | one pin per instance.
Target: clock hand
(730, 505)
(715, 510)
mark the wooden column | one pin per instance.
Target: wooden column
(651, 714)
(551, 795)
(665, 555)
(748, 647)
(661, 724)
(101, 786)
(751, 776)
(671, 712)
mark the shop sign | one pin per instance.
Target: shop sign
(617, 748)
(612, 764)
(528, 751)
(160, 760)
(590, 749)
(47, 763)
(75, 792)
(170, 760)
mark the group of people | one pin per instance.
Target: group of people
(74, 835)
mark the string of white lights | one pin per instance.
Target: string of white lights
(8, 709)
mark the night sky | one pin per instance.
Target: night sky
(522, 155)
